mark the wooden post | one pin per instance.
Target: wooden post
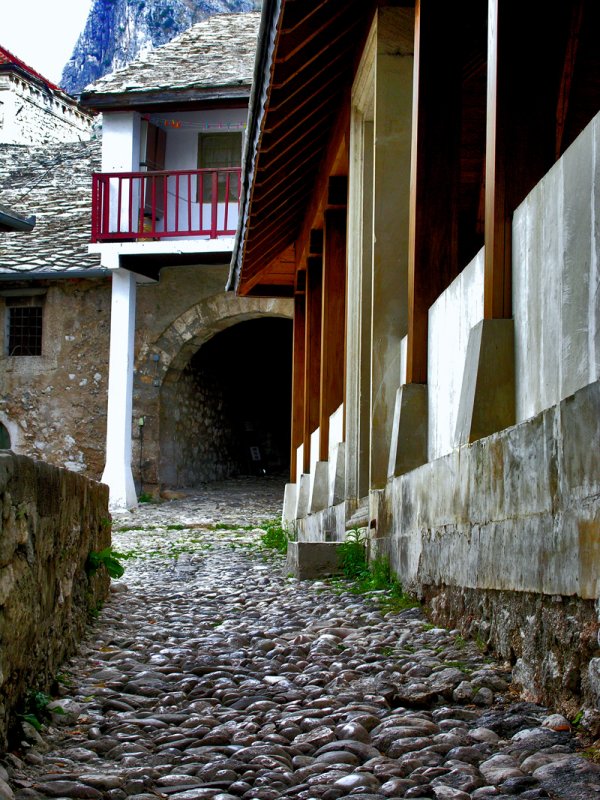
(312, 373)
(523, 54)
(333, 322)
(433, 221)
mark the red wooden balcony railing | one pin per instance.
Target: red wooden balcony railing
(155, 205)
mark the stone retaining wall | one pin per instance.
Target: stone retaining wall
(51, 520)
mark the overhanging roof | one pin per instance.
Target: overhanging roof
(11, 221)
(211, 61)
(306, 57)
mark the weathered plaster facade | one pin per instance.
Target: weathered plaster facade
(54, 405)
(122, 321)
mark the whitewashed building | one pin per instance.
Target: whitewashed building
(35, 110)
(123, 277)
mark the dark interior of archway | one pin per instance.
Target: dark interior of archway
(252, 361)
(229, 412)
(4, 438)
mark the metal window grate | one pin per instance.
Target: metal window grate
(25, 331)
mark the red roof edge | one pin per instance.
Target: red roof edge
(6, 57)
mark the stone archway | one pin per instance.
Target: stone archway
(165, 385)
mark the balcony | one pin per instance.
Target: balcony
(151, 206)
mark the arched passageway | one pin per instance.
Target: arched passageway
(228, 411)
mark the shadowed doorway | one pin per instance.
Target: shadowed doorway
(229, 411)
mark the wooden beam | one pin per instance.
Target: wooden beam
(523, 58)
(433, 221)
(316, 241)
(334, 161)
(298, 373)
(566, 82)
(312, 372)
(314, 27)
(333, 322)
(497, 287)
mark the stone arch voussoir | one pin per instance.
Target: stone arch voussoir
(187, 333)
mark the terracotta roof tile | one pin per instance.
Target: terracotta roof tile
(6, 57)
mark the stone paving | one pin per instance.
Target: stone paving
(212, 674)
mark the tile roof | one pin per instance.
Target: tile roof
(217, 52)
(6, 57)
(54, 182)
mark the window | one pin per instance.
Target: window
(219, 151)
(24, 326)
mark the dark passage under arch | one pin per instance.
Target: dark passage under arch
(4, 438)
(229, 412)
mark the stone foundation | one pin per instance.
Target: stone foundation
(551, 642)
(51, 520)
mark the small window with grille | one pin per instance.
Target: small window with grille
(24, 334)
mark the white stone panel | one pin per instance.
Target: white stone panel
(451, 318)
(556, 288)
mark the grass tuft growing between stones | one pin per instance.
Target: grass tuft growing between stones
(374, 578)
(274, 537)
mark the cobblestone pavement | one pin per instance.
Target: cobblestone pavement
(211, 674)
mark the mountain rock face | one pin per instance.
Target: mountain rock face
(117, 31)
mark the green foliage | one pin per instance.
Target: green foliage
(352, 555)
(127, 528)
(375, 577)
(35, 709)
(227, 526)
(577, 718)
(274, 538)
(592, 753)
(107, 558)
(146, 497)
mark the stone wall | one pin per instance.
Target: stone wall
(507, 530)
(54, 405)
(175, 318)
(30, 115)
(197, 435)
(51, 520)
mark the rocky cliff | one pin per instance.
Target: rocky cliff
(117, 31)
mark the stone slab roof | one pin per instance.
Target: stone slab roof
(54, 182)
(217, 52)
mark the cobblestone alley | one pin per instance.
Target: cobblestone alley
(211, 674)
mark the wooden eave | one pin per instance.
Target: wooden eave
(153, 100)
(316, 50)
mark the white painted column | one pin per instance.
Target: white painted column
(117, 472)
(121, 132)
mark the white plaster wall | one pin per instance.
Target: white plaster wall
(451, 318)
(182, 154)
(121, 153)
(556, 288)
(336, 427)
(403, 359)
(121, 141)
